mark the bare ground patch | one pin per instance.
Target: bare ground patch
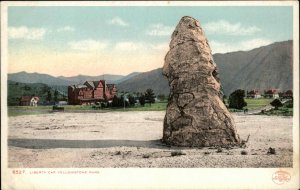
(132, 139)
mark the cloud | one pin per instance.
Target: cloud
(122, 46)
(227, 28)
(24, 32)
(130, 46)
(88, 45)
(159, 30)
(66, 29)
(160, 47)
(219, 47)
(117, 21)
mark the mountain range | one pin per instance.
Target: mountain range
(262, 68)
(65, 81)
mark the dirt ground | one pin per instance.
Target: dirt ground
(132, 139)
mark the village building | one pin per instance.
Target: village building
(253, 94)
(62, 103)
(91, 92)
(29, 100)
(271, 93)
(287, 94)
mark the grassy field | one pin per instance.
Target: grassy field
(253, 104)
(159, 106)
(12, 113)
(28, 110)
(282, 111)
(256, 103)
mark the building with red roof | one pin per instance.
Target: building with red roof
(91, 92)
(253, 94)
(29, 100)
(271, 93)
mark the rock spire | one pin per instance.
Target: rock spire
(196, 115)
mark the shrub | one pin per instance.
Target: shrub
(271, 151)
(177, 153)
(289, 104)
(236, 99)
(103, 105)
(146, 156)
(276, 103)
(131, 100)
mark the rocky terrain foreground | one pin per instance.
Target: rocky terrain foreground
(132, 139)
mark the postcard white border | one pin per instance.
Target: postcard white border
(157, 178)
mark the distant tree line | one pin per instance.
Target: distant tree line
(130, 100)
(46, 94)
(56, 96)
(236, 100)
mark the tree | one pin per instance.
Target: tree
(115, 101)
(26, 87)
(49, 96)
(236, 99)
(119, 102)
(64, 97)
(161, 97)
(276, 103)
(131, 100)
(45, 89)
(123, 102)
(55, 95)
(150, 96)
(142, 100)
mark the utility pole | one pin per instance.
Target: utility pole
(124, 103)
(124, 100)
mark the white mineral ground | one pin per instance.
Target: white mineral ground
(131, 139)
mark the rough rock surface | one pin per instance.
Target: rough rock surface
(196, 116)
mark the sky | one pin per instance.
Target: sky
(92, 41)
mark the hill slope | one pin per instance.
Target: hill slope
(261, 68)
(127, 77)
(80, 79)
(16, 90)
(65, 81)
(141, 82)
(37, 78)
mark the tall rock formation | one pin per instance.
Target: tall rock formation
(196, 115)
